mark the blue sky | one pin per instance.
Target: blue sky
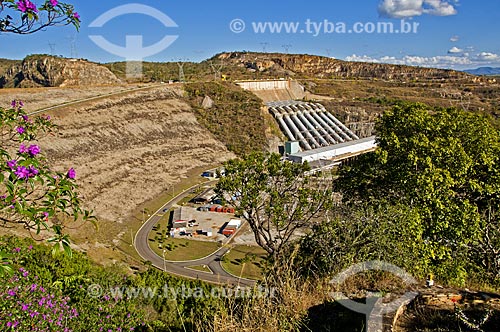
(451, 33)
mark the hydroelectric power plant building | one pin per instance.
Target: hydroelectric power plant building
(314, 133)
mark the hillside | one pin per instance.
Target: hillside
(313, 66)
(147, 140)
(50, 71)
(486, 71)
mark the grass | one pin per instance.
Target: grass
(183, 249)
(235, 118)
(135, 221)
(202, 268)
(245, 261)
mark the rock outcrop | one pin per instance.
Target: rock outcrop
(324, 67)
(49, 71)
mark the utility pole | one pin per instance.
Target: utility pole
(286, 47)
(72, 45)
(182, 78)
(217, 69)
(52, 48)
(264, 46)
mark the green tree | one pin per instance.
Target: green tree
(276, 197)
(444, 163)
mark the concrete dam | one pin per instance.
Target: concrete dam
(317, 133)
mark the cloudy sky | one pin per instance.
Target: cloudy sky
(458, 34)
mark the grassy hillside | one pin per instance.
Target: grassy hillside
(235, 118)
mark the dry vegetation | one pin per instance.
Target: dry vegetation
(127, 149)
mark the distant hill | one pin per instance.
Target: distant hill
(50, 71)
(484, 71)
(313, 66)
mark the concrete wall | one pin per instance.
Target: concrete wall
(275, 90)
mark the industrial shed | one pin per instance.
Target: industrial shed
(336, 152)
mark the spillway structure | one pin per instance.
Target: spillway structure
(321, 136)
(310, 124)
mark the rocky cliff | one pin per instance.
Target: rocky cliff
(323, 67)
(49, 71)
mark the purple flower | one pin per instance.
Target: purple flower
(13, 103)
(76, 16)
(23, 149)
(33, 287)
(21, 103)
(32, 172)
(53, 3)
(17, 250)
(21, 130)
(34, 150)
(11, 164)
(22, 172)
(71, 173)
(11, 292)
(25, 118)
(48, 118)
(24, 307)
(45, 214)
(26, 6)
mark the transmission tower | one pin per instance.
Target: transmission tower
(264, 46)
(73, 46)
(286, 47)
(52, 48)
(329, 52)
(182, 78)
(217, 69)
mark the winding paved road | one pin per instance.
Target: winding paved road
(219, 275)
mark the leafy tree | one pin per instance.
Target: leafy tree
(276, 197)
(31, 193)
(25, 17)
(443, 163)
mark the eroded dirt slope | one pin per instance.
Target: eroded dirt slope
(127, 149)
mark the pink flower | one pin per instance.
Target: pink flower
(71, 173)
(76, 16)
(21, 130)
(53, 3)
(26, 6)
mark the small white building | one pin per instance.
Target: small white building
(336, 152)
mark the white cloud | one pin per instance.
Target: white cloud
(486, 56)
(454, 39)
(453, 61)
(411, 8)
(455, 50)
(439, 8)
